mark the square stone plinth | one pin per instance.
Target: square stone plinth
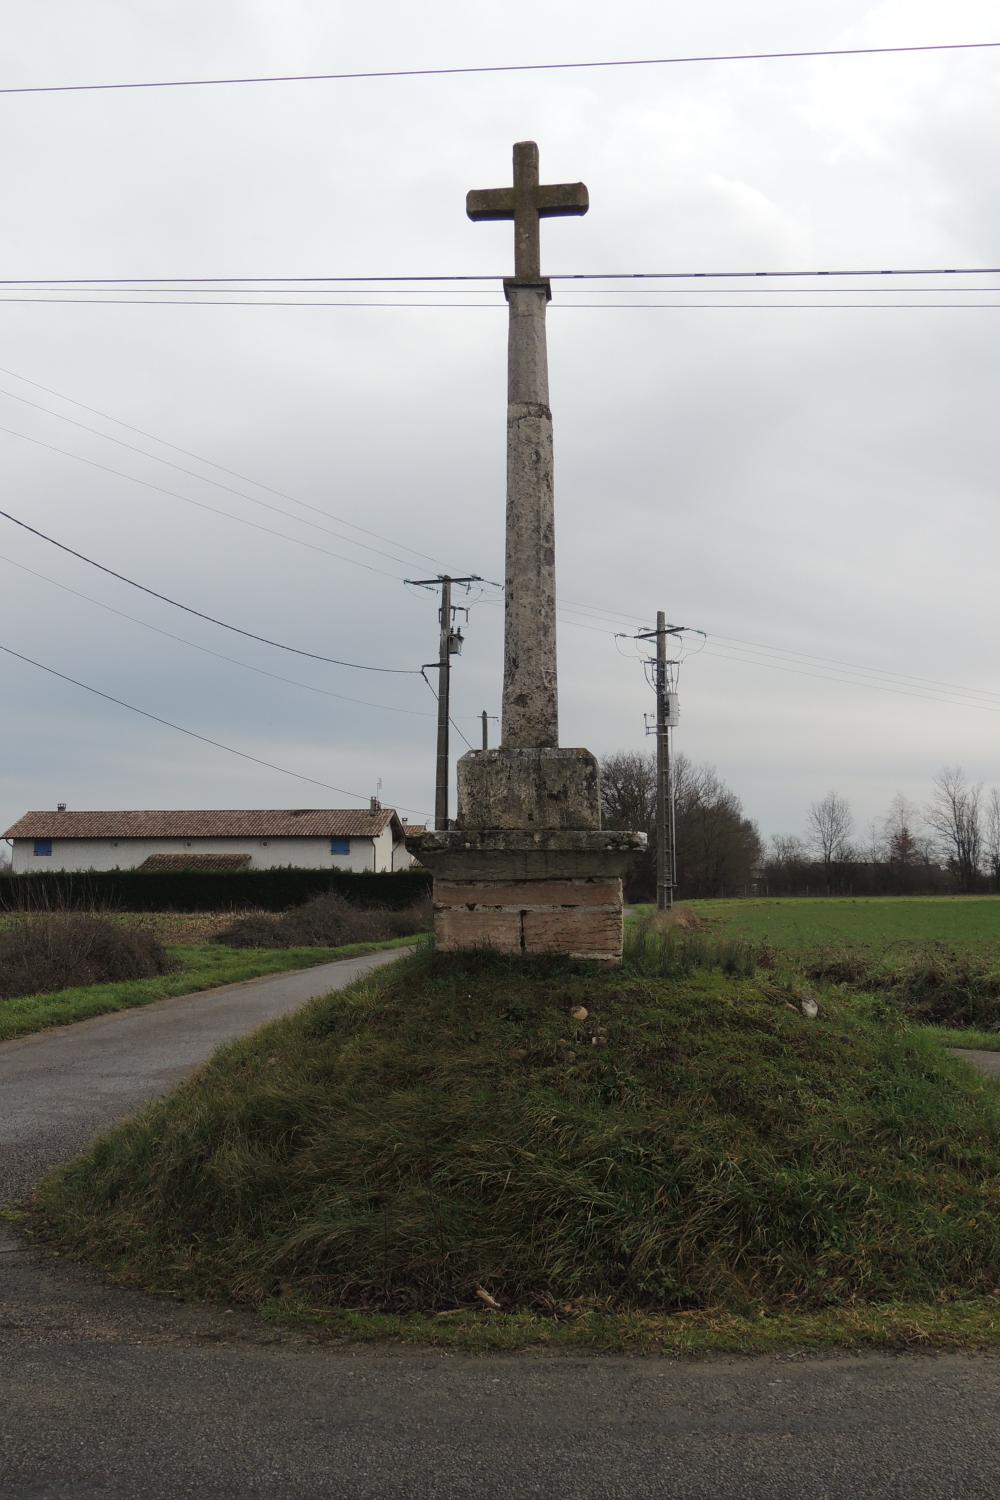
(522, 789)
(553, 892)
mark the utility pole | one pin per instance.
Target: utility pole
(664, 681)
(486, 717)
(449, 645)
(664, 842)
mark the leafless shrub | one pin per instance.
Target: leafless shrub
(56, 950)
(324, 922)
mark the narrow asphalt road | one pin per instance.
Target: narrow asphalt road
(108, 1393)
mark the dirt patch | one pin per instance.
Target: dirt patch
(681, 918)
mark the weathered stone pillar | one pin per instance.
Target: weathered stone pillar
(530, 692)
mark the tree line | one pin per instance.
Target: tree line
(719, 849)
(951, 845)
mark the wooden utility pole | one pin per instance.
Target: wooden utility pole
(444, 699)
(486, 733)
(664, 798)
(666, 716)
(449, 645)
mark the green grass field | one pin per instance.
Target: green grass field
(875, 926)
(934, 960)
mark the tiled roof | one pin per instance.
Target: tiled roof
(304, 822)
(213, 863)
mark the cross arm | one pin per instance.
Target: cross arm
(490, 203)
(561, 199)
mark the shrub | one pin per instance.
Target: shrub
(207, 890)
(57, 950)
(325, 922)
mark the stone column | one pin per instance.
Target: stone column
(530, 693)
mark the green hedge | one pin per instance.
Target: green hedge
(201, 890)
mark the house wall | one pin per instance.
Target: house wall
(265, 854)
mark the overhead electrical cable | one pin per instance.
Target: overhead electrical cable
(191, 733)
(451, 721)
(189, 609)
(200, 458)
(499, 306)
(496, 68)
(810, 658)
(418, 713)
(880, 687)
(201, 505)
(158, 283)
(202, 478)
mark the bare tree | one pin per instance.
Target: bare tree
(953, 814)
(718, 847)
(786, 865)
(992, 840)
(830, 824)
(628, 790)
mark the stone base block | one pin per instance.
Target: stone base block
(557, 890)
(574, 918)
(528, 789)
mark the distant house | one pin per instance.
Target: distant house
(309, 838)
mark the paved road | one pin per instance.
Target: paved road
(61, 1087)
(107, 1393)
(987, 1063)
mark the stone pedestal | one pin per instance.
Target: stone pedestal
(530, 870)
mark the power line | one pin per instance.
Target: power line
(188, 609)
(191, 733)
(418, 713)
(733, 642)
(553, 67)
(451, 721)
(159, 282)
(880, 687)
(202, 478)
(188, 453)
(199, 504)
(200, 458)
(499, 306)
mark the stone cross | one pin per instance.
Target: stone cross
(530, 690)
(527, 202)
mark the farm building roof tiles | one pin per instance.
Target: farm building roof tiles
(158, 864)
(304, 822)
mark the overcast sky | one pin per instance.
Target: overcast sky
(818, 480)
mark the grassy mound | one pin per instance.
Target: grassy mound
(689, 1143)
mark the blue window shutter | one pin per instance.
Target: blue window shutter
(42, 846)
(340, 846)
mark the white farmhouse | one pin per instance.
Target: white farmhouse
(308, 838)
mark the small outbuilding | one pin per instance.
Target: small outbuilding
(306, 838)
